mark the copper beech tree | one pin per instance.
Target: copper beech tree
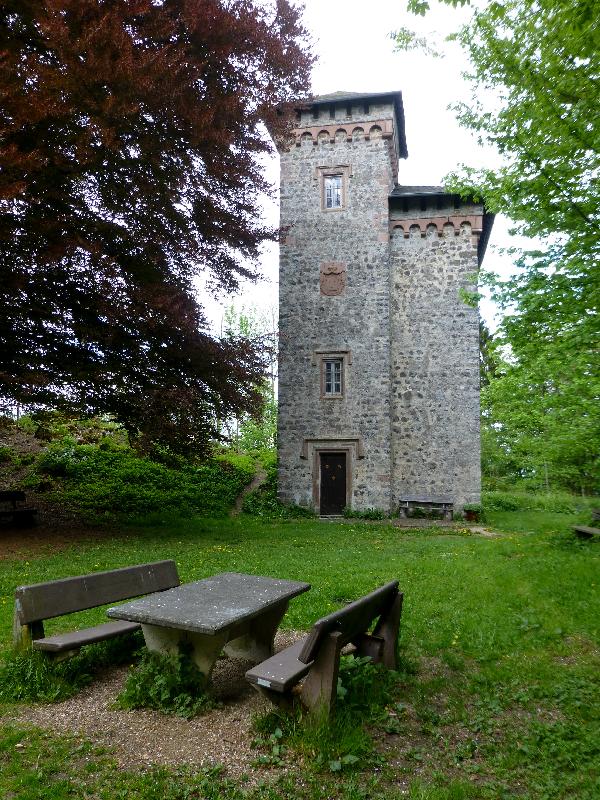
(129, 137)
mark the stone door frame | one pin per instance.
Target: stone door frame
(316, 483)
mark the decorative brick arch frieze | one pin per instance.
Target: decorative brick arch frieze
(336, 131)
(354, 131)
(470, 225)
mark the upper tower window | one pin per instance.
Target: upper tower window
(333, 191)
(332, 377)
(333, 185)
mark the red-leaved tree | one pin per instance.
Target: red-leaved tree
(129, 137)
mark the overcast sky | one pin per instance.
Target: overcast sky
(355, 53)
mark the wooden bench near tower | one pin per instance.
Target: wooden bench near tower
(317, 655)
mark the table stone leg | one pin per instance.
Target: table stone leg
(205, 649)
(253, 640)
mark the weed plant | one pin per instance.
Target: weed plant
(169, 683)
(366, 513)
(340, 741)
(32, 676)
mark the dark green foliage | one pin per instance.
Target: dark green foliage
(169, 683)
(113, 479)
(263, 501)
(7, 454)
(364, 687)
(339, 742)
(366, 513)
(32, 676)
(558, 502)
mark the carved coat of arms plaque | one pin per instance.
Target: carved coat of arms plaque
(333, 278)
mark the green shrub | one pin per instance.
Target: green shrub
(263, 501)
(110, 478)
(169, 683)
(364, 687)
(7, 454)
(365, 513)
(32, 676)
(556, 502)
(341, 741)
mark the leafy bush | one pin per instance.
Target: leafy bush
(556, 502)
(341, 741)
(7, 454)
(110, 478)
(169, 683)
(32, 676)
(365, 513)
(263, 501)
(364, 686)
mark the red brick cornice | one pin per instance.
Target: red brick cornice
(458, 221)
(344, 131)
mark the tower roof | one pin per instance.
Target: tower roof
(347, 98)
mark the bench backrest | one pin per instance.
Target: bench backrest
(12, 497)
(350, 621)
(42, 601)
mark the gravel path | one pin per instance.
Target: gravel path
(139, 739)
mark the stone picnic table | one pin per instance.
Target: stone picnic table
(233, 612)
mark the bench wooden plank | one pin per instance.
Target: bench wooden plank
(585, 531)
(13, 497)
(42, 601)
(317, 657)
(351, 620)
(76, 639)
(421, 499)
(280, 672)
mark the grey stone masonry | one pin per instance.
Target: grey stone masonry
(435, 358)
(371, 279)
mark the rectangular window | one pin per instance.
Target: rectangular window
(332, 377)
(332, 187)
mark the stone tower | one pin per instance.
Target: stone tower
(379, 360)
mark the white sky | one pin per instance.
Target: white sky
(356, 54)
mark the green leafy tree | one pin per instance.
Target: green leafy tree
(535, 72)
(256, 431)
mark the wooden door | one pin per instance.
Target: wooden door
(333, 483)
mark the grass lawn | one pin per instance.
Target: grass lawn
(504, 697)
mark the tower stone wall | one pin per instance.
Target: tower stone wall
(435, 356)
(371, 285)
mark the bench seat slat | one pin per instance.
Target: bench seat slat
(75, 639)
(280, 672)
(586, 531)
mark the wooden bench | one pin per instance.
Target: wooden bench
(42, 601)
(585, 532)
(11, 509)
(317, 656)
(441, 504)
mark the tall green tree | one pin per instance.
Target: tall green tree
(130, 137)
(535, 72)
(258, 430)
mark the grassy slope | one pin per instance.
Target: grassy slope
(507, 629)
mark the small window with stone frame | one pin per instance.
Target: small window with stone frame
(332, 377)
(333, 192)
